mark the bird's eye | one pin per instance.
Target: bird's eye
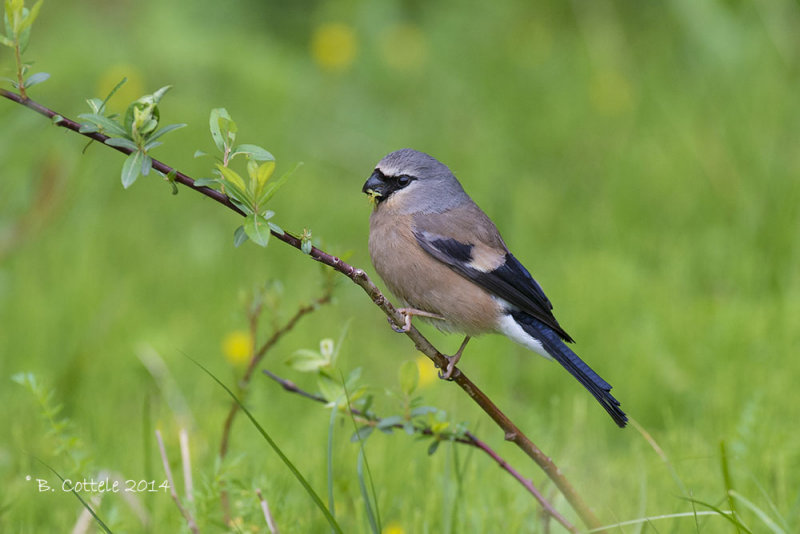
(403, 180)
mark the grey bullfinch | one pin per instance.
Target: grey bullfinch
(444, 259)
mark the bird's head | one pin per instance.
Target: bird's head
(413, 181)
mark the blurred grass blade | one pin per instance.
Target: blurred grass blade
(774, 527)
(374, 516)
(77, 496)
(649, 519)
(726, 478)
(331, 425)
(362, 484)
(730, 516)
(664, 458)
(300, 478)
(772, 506)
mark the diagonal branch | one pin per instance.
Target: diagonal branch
(359, 277)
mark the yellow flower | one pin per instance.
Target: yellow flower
(236, 347)
(333, 46)
(403, 47)
(427, 371)
(393, 528)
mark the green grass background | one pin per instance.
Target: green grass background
(640, 158)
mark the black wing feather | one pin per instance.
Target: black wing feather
(511, 281)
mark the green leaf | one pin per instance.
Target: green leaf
(352, 378)
(164, 130)
(200, 153)
(389, 422)
(253, 151)
(409, 377)
(257, 229)
(107, 125)
(121, 142)
(35, 79)
(305, 360)
(232, 176)
(275, 228)
(57, 119)
(331, 390)
(88, 128)
(152, 145)
(148, 126)
(158, 95)
(32, 14)
(361, 434)
(433, 446)
(214, 123)
(239, 236)
(170, 177)
(110, 94)
(6, 41)
(272, 187)
(147, 164)
(95, 103)
(24, 38)
(131, 168)
(13, 15)
(206, 182)
(264, 172)
(237, 196)
(423, 410)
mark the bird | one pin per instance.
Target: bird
(445, 260)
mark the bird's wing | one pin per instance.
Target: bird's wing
(474, 249)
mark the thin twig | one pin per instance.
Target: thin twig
(184, 512)
(267, 514)
(257, 356)
(358, 276)
(469, 439)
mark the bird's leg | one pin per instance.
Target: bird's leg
(407, 314)
(453, 360)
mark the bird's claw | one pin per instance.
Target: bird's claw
(451, 366)
(407, 313)
(452, 361)
(399, 329)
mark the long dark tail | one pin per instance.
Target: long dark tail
(553, 344)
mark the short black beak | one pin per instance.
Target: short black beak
(375, 186)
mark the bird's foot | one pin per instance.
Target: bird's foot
(452, 361)
(407, 314)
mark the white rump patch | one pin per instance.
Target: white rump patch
(512, 330)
